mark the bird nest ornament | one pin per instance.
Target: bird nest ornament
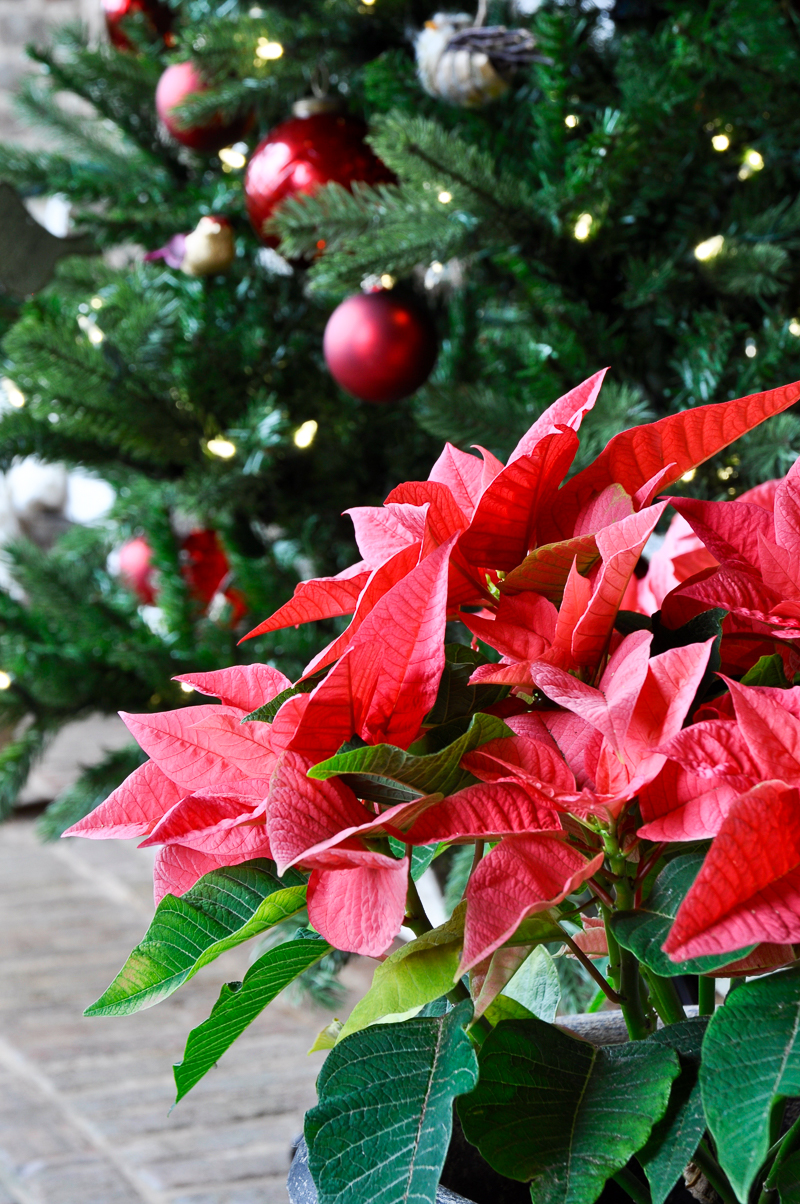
(461, 61)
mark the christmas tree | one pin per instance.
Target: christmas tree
(556, 190)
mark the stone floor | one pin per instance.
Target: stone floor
(84, 1104)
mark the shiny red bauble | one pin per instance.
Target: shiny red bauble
(178, 83)
(380, 346)
(157, 20)
(136, 569)
(302, 153)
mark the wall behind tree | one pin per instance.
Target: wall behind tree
(21, 22)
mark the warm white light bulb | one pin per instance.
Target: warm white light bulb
(268, 50)
(445, 197)
(750, 349)
(305, 434)
(387, 281)
(96, 302)
(690, 475)
(232, 158)
(187, 689)
(754, 160)
(14, 394)
(571, 120)
(5, 680)
(583, 227)
(90, 328)
(709, 248)
(222, 448)
(794, 328)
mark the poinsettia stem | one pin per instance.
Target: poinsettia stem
(601, 892)
(665, 997)
(480, 1027)
(627, 979)
(638, 1023)
(477, 857)
(632, 1184)
(712, 1170)
(706, 995)
(415, 917)
(592, 969)
(775, 1156)
(613, 969)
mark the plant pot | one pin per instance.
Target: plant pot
(466, 1171)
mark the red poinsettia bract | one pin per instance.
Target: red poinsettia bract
(536, 566)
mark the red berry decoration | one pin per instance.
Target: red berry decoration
(136, 569)
(178, 83)
(304, 152)
(380, 346)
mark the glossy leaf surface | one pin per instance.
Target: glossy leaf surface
(382, 1125)
(225, 908)
(559, 1113)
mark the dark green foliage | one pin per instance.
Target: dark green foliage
(384, 1117)
(557, 1113)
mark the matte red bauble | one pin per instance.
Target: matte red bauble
(179, 82)
(136, 569)
(158, 20)
(299, 155)
(380, 346)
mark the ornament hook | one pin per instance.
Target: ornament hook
(320, 81)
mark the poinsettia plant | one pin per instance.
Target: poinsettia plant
(622, 754)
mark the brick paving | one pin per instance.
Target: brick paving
(84, 1103)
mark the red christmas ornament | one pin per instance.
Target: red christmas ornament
(313, 148)
(380, 346)
(205, 568)
(158, 19)
(178, 83)
(136, 569)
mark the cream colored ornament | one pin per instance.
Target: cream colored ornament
(463, 76)
(209, 248)
(461, 61)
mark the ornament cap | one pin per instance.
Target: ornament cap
(310, 106)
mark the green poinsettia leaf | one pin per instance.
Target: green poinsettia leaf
(435, 773)
(421, 857)
(561, 1114)
(751, 1060)
(540, 929)
(503, 1007)
(223, 909)
(423, 970)
(787, 1179)
(644, 931)
(456, 698)
(536, 985)
(238, 1005)
(675, 1137)
(767, 671)
(383, 1122)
